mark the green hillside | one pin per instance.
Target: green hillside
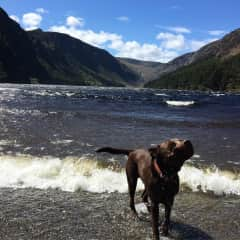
(216, 66)
(211, 74)
(55, 58)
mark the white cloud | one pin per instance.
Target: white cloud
(89, 36)
(170, 45)
(31, 20)
(216, 32)
(41, 10)
(171, 41)
(147, 52)
(15, 18)
(123, 18)
(179, 43)
(179, 29)
(113, 41)
(74, 22)
(117, 43)
(176, 29)
(194, 45)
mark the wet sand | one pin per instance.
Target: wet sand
(54, 214)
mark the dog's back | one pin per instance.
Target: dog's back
(140, 161)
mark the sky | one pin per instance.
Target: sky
(151, 30)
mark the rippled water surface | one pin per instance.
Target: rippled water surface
(48, 139)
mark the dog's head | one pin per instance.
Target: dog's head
(172, 154)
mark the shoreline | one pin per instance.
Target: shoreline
(235, 91)
(53, 214)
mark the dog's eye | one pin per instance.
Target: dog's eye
(171, 146)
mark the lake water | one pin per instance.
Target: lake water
(49, 135)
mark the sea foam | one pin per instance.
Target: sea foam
(68, 174)
(180, 103)
(86, 173)
(210, 180)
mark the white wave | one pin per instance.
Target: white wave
(208, 180)
(68, 174)
(43, 93)
(235, 163)
(6, 142)
(86, 173)
(64, 141)
(161, 94)
(180, 103)
(218, 94)
(70, 94)
(15, 111)
(8, 89)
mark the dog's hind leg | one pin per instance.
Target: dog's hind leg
(132, 183)
(132, 176)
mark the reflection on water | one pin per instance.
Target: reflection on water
(62, 120)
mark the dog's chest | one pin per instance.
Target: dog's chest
(162, 191)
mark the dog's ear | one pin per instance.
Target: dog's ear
(167, 149)
(188, 149)
(164, 150)
(171, 149)
(154, 151)
(181, 149)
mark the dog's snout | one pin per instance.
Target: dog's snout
(188, 148)
(187, 142)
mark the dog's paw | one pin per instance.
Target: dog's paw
(133, 215)
(164, 230)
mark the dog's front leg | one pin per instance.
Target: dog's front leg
(145, 199)
(155, 219)
(166, 223)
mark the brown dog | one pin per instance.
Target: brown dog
(158, 169)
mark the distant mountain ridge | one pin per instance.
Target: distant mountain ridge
(215, 66)
(149, 71)
(69, 60)
(146, 70)
(55, 58)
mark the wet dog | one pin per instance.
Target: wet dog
(158, 169)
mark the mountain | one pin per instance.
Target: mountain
(215, 66)
(55, 58)
(148, 71)
(71, 61)
(18, 61)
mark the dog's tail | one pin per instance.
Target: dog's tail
(114, 150)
